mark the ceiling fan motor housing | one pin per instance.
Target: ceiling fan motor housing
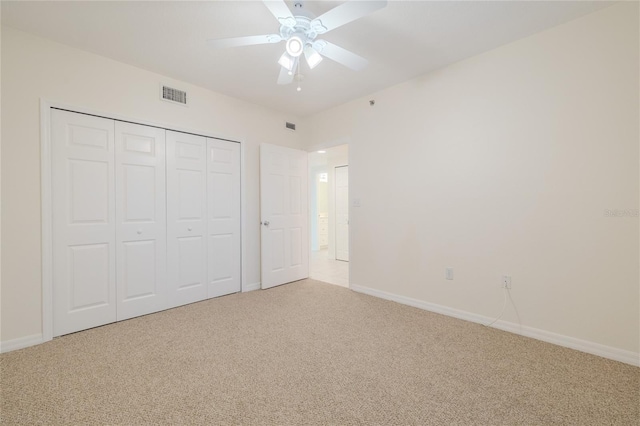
(302, 29)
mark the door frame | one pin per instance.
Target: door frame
(323, 146)
(46, 198)
(335, 214)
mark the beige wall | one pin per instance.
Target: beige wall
(505, 164)
(34, 68)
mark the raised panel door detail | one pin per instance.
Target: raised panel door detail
(88, 191)
(89, 276)
(275, 185)
(278, 161)
(221, 190)
(190, 258)
(139, 144)
(295, 197)
(296, 167)
(190, 186)
(296, 246)
(139, 269)
(139, 193)
(188, 150)
(83, 221)
(221, 155)
(221, 257)
(277, 252)
(90, 137)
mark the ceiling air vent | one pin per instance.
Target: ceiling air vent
(173, 95)
(290, 126)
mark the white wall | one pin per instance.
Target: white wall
(34, 68)
(323, 201)
(505, 164)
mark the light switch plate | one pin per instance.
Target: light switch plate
(448, 273)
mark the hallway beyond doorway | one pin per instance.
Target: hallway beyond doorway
(328, 270)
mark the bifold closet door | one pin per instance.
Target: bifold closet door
(186, 213)
(83, 201)
(144, 219)
(223, 186)
(140, 219)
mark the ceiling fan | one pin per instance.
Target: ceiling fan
(300, 33)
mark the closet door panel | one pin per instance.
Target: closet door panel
(140, 219)
(223, 170)
(187, 212)
(144, 219)
(84, 281)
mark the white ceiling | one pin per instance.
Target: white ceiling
(401, 41)
(318, 159)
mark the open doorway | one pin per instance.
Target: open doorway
(329, 215)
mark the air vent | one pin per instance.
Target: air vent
(290, 126)
(173, 95)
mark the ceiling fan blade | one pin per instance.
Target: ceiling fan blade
(284, 77)
(282, 13)
(340, 55)
(243, 41)
(345, 13)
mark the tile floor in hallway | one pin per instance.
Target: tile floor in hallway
(329, 270)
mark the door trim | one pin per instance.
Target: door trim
(335, 216)
(46, 197)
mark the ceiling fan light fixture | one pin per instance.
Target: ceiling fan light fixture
(295, 46)
(287, 61)
(313, 58)
(299, 33)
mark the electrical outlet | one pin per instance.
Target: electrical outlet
(506, 281)
(448, 273)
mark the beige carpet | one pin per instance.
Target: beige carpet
(310, 353)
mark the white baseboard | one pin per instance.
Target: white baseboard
(251, 287)
(20, 343)
(628, 357)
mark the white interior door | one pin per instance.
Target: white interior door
(223, 187)
(84, 279)
(186, 216)
(342, 212)
(140, 219)
(283, 210)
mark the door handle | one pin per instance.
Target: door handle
(265, 223)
